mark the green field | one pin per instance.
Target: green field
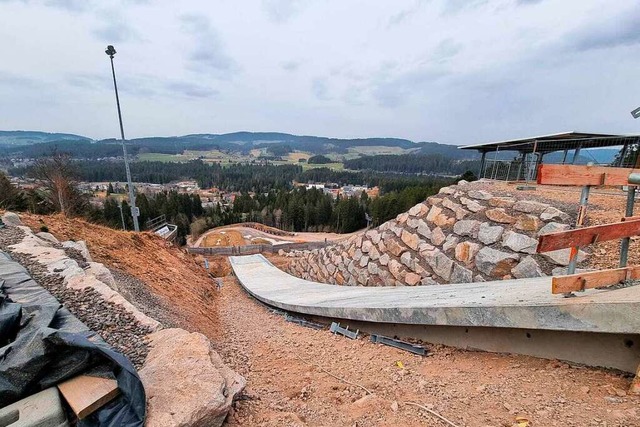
(216, 156)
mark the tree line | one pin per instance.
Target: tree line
(413, 164)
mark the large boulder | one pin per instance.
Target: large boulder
(11, 218)
(186, 382)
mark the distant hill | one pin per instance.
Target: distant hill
(14, 138)
(17, 142)
(246, 141)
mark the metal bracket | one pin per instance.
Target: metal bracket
(335, 328)
(413, 348)
(302, 322)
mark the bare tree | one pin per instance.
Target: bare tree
(57, 175)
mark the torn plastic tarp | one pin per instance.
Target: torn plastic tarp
(43, 344)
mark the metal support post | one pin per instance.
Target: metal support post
(582, 212)
(124, 227)
(624, 245)
(482, 162)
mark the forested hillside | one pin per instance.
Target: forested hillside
(413, 163)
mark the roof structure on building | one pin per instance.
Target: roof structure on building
(556, 142)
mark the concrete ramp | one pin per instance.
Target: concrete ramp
(609, 318)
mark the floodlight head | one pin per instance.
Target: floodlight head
(636, 113)
(110, 51)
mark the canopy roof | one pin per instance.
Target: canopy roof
(556, 142)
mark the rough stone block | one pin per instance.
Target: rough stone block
(501, 202)
(527, 268)
(479, 194)
(552, 213)
(561, 256)
(366, 246)
(196, 371)
(489, 234)
(495, 263)
(466, 251)
(552, 227)
(410, 239)
(519, 242)
(437, 236)
(374, 236)
(412, 279)
(423, 229)
(441, 265)
(456, 208)
(472, 205)
(461, 274)
(11, 218)
(384, 259)
(395, 268)
(467, 227)
(529, 206)
(528, 223)
(450, 242)
(499, 215)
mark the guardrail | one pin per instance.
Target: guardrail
(256, 249)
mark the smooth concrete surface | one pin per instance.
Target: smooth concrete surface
(516, 304)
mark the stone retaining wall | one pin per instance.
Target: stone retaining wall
(466, 233)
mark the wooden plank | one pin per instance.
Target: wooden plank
(593, 279)
(587, 235)
(583, 175)
(86, 394)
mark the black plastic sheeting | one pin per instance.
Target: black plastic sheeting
(43, 344)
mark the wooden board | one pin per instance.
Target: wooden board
(86, 394)
(583, 175)
(593, 279)
(587, 235)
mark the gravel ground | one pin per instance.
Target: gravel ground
(113, 323)
(137, 293)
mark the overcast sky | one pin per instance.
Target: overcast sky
(451, 71)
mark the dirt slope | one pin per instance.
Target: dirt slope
(167, 271)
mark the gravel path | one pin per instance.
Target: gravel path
(112, 322)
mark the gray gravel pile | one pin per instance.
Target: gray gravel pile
(113, 323)
(10, 236)
(137, 293)
(75, 255)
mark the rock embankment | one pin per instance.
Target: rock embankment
(470, 232)
(172, 362)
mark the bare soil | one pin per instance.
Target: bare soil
(289, 368)
(288, 385)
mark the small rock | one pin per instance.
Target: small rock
(394, 406)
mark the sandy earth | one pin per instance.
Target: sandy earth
(283, 365)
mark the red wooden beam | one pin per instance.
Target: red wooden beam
(593, 279)
(588, 235)
(583, 175)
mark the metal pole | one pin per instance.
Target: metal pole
(124, 227)
(582, 213)
(624, 245)
(482, 160)
(132, 196)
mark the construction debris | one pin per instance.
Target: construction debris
(413, 348)
(85, 394)
(335, 328)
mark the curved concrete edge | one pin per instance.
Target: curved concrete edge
(523, 303)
